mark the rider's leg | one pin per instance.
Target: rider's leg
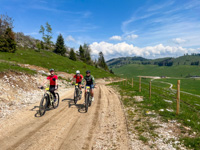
(52, 89)
(80, 87)
(92, 94)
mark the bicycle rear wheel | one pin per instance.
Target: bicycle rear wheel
(43, 105)
(56, 103)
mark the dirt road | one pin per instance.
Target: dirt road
(68, 127)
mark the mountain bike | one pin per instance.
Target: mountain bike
(48, 97)
(77, 93)
(88, 100)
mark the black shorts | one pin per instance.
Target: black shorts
(79, 83)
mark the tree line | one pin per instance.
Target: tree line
(8, 43)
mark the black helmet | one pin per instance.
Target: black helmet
(88, 71)
(50, 70)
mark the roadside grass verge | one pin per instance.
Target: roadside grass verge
(163, 103)
(49, 60)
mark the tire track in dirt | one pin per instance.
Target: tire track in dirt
(112, 130)
(88, 123)
(94, 122)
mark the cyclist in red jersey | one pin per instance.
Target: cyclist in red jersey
(53, 83)
(79, 78)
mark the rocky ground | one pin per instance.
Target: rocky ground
(148, 131)
(19, 90)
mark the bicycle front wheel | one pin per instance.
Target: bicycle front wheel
(43, 105)
(56, 103)
(86, 101)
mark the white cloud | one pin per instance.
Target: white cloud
(163, 22)
(70, 38)
(178, 40)
(124, 49)
(131, 37)
(116, 38)
(32, 33)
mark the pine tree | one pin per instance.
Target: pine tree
(60, 46)
(101, 61)
(87, 52)
(82, 53)
(72, 54)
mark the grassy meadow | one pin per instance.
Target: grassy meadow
(133, 70)
(49, 60)
(163, 103)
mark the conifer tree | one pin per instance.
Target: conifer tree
(82, 53)
(101, 61)
(60, 46)
(72, 54)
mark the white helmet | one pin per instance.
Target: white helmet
(77, 72)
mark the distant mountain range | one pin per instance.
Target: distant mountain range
(193, 59)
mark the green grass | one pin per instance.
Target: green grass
(187, 84)
(133, 70)
(189, 114)
(4, 67)
(51, 60)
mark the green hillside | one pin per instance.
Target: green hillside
(49, 60)
(154, 70)
(193, 59)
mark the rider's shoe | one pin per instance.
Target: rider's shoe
(93, 99)
(55, 100)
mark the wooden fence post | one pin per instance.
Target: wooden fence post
(150, 90)
(140, 84)
(178, 98)
(132, 82)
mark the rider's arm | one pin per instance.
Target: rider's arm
(84, 81)
(72, 79)
(93, 80)
(56, 84)
(45, 82)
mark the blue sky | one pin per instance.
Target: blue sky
(148, 28)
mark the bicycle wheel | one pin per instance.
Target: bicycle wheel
(86, 101)
(75, 96)
(43, 105)
(56, 103)
(90, 101)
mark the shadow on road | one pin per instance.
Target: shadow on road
(67, 99)
(36, 109)
(80, 107)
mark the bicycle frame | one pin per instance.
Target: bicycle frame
(88, 89)
(49, 95)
